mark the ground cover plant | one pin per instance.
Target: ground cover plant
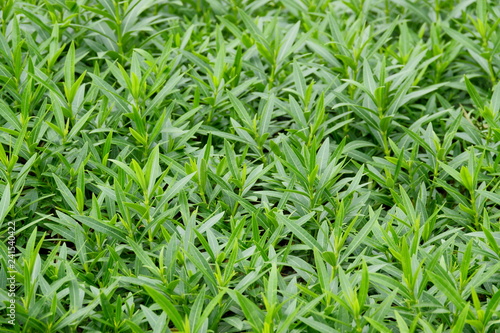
(250, 166)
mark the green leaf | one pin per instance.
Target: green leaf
(478, 101)
(252, 312)
(166, 306)
(361, 236)
(119, 101)
(9, 116)
(67, 196)
(102, 227)
(240, 110)
(69, 68)
(462, 39)
(5, 203)
(300, 232)
(448, 289)
(460, 323)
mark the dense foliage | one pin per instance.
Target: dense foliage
(251, 166)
